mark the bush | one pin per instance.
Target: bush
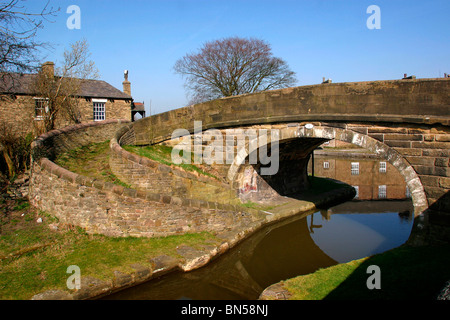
(15, 151)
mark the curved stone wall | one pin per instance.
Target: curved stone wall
(146, 174)
(109, 209)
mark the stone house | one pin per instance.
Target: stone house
(22, 110)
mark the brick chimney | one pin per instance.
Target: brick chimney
(48, 68)
(126, 84)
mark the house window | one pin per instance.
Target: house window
(355, 168)
(40, 108)
(382, 192)
(326, 165)
(382, 167)
(99, 109)
(357, 192)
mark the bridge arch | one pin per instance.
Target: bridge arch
(324, 133)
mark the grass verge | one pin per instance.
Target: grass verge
(34, 256)
(406, 273)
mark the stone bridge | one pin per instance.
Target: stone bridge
(406, 122)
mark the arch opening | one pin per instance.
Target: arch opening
(295, 146)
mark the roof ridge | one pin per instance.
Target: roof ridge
(101, 89)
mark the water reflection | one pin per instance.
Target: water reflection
(299, 245)
(372, 178)
(346, 233)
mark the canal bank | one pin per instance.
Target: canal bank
(193, 258)
(408, 273)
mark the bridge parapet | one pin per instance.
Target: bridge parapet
(407, 121)
(420, 102)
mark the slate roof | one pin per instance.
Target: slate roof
(22, 84)
(137, 106)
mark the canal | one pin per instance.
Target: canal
(378, 219)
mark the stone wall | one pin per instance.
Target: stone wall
(146, 174)
(106, 208)
(424, 147)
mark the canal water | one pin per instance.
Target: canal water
(372, 223)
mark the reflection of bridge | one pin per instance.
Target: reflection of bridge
(406, 122)
(402, 207)
(257, 262)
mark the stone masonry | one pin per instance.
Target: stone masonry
(106, 208)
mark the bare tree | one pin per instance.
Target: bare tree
(233, 66)
(18, 28)
(62, 89)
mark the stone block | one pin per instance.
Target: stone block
(142, 273)
(425, 161)
(91, 288)
(431, 181)
(444, 182)
(122, 279)
(409, 151)
(398, 143)
(443, 137)
(53, 295)
(163, 264)
(434, 192)
(441, 162)
(377, 136)
(430, 145)
(386, 130)
(436, 153)
(408, 137)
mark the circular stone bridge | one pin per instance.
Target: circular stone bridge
(406, 122)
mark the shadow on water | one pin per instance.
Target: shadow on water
(302, 244)
(408, 273)
(283, 250)
(273, 253)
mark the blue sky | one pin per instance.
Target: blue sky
(317, 38)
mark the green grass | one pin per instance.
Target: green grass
(92, 161)
(407, 273)
(257, 206)
(34, 258)
(163, 154)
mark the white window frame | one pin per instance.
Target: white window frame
(354, 168)
(99, 109)
(326, 165)
(383, 167)
(43, 108)
(382, 192)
